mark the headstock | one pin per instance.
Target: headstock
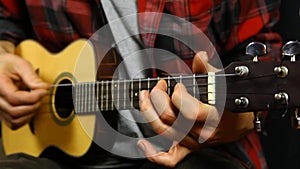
(259, 86)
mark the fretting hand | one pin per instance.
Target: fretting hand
(161, 111)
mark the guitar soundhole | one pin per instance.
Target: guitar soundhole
(63, 99)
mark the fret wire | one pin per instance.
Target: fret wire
(81, 97)
(82, 101)
(85, 97)
(124, 103)
(180, 78)
(93, 94)
(102, 87)
(112, 94)
(169, 85)
(148, 84)
(140, 85)
(194, 83)
(118, 99)
(97, 96)
(81, 93)
(90, 97)
(106, 95)
(131, 102)
(77, 89)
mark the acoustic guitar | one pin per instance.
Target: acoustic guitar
(67, 120)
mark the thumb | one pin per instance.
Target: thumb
(148, 149)
(29, 76)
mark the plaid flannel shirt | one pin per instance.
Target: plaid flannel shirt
(227, 23)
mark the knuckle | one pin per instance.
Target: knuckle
(12, 99)
(167, 116)
(159, 129)
(13, 113)
(144, 106)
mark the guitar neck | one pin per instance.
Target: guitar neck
(124, 94)
(227, 89)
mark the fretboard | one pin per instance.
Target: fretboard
(124, 94)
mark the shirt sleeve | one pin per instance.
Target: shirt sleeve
(14, 23)
(251, 25)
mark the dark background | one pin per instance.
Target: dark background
(281, 141)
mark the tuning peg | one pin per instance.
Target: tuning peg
(296, 119)
(291, 49)
(256, 49)
(257, 121)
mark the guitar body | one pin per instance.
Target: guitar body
(56, 124)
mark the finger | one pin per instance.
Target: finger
(25, 70)
(168, 159)
(151, 116)
(15, 112)
(161, 85)
(148, 149)
(149, 113)
(178, 131)
(17, 122)
(18, 69)
(201, 63)
(191, 107)
(163, 106)
(18, 97)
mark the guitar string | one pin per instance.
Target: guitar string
(145, 80)
(187, 85)
(109, 99)
(105, 91)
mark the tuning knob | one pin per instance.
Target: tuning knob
(256, 49)
(291, 49)
(296, 119)
(257, 121)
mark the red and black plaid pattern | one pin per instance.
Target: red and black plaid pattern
(55, 23)
(227, 23)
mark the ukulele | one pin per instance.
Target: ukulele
(67, 118)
